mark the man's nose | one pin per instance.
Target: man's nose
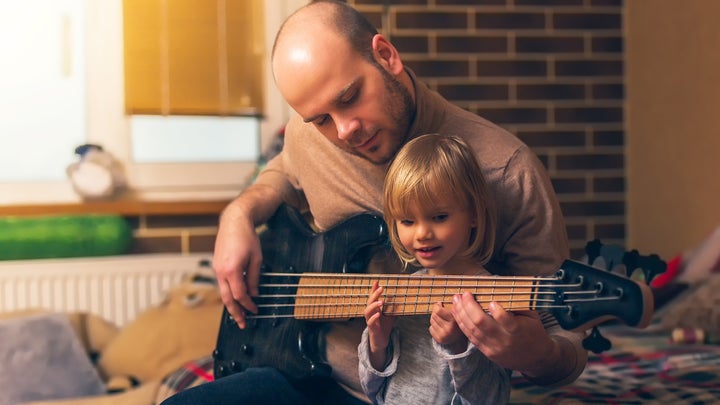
(347, 127)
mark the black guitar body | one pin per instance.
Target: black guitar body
(274, 338)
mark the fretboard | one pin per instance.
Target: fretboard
(343, 296)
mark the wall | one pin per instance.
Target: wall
(549, 71)
(556, 73)
(173, 233)
(673, 82)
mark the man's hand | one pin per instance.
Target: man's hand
(236, 260)
(515, 341)
(238, 257)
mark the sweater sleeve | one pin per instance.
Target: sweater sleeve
(476, 379)
(373, 381)
(574, 362)
(532, 238)
(274, 175)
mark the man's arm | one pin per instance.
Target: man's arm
(567, 360)
(531, 240)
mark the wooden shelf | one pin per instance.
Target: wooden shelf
(126, 206)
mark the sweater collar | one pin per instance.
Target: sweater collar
(429, 108)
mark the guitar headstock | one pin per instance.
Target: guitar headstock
(614, 256)
(583, 296)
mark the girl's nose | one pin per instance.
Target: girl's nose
(423, 231)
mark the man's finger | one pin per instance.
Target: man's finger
(232, 306)
(240, 293)
(252, 277)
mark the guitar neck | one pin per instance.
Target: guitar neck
(342, 296)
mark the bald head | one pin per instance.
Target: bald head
(328, 18)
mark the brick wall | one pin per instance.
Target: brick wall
(173, 233)
(550, 71)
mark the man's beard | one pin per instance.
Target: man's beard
(399, 106)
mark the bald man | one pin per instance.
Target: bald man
(356, 105)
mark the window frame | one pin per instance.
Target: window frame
(109, 126)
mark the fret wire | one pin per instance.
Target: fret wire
(476, 285)
(359, 304)
(445, 288)
(512, 291)
(345, 302)
(492, 289)
(329, 283)
(407, 290)
(416, 294)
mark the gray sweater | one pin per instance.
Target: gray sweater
(421, 371)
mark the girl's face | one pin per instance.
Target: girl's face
(437, 235)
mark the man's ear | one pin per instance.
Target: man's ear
(389, 56)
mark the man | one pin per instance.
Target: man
(356, 105)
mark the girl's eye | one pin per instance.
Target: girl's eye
(440, 217)
(406, 222)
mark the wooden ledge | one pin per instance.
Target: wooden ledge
(125, 206)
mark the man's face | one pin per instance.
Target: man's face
(357, 105)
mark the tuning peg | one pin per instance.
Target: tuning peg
(596, 342)
(650, 265)
(592, 249)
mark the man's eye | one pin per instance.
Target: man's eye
(321, 121)
(349, 98)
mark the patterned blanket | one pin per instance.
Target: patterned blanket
(642, 367)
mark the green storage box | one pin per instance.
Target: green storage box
(41, 237)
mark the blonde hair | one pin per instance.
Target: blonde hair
(426, 169)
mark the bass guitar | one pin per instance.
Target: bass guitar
(308, 277)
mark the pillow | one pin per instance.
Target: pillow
(696, 308)
(41, 358)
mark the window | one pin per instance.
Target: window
(43, 71)
(95, 28)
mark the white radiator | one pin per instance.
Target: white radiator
(115, 287)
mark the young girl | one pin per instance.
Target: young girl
(441, 219)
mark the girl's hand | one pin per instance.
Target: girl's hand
(445, 330)
(379, 327)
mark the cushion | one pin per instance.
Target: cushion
(142, 395)
(163, 338)
(42, 358)
(696, 308)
